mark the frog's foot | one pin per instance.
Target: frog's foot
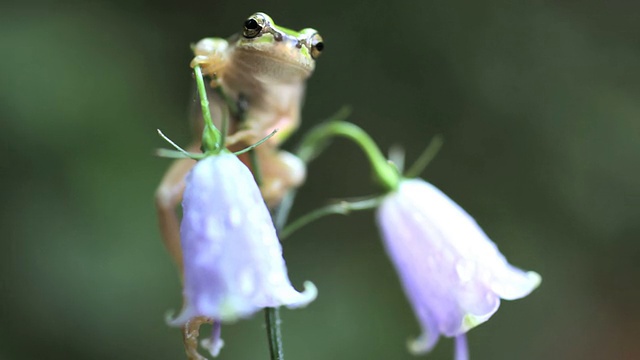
(281, 172)
(211, 55)
(211, 67)
(190, 333)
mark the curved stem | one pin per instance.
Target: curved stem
(282, 212)
(341, 208)
(317, 138)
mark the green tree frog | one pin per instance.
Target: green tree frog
(265, 68)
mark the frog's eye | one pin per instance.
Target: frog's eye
(253, 26)
(316, 45)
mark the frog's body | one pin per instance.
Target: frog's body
(267, 67)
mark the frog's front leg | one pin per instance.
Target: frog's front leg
(212, 56)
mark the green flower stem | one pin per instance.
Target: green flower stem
(340, 208)
(317, 138)
(212, 140)
(204, 101)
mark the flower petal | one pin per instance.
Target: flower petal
(233, 263)
(452, 273)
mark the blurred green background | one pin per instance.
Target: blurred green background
(538, 102)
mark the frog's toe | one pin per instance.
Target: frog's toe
(200, 60)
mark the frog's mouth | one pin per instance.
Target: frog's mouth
(288, 51)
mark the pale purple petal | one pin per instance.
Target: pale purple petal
(233, 263)
(453, 274)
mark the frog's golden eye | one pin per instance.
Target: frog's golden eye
(253, 26)
(316, 45)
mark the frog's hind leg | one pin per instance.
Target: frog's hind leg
(191, 334)
(281, 172)
(168, 196)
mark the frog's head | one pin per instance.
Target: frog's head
(264, 38)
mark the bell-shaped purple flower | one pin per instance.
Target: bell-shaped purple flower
(233, 264)
(452, 273)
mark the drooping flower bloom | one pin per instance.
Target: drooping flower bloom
(452, 273)
(233, 264)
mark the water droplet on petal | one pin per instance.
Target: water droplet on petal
(247, 283)
(213, 228)
(275, 277)
(235, 216)
(463, 271)
(266, 238)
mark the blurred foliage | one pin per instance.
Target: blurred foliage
(538, 102)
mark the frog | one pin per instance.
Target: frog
(264, 68)
(263, 71)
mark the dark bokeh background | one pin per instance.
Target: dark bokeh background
(539, 104)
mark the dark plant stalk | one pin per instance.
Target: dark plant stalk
(274, 335)
(271, 315)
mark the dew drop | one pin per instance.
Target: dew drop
(266, 239)
(247, 284)
(213, 228)
(275, 277)
(235, 217)
(464, 270)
